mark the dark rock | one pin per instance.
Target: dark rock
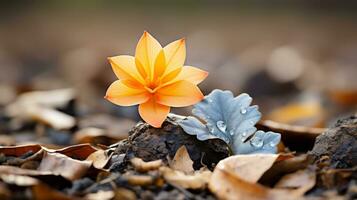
(117, 163)
(151, 143)
(338, 146)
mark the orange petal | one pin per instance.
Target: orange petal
(124, 68)
(153, 113)
(170, 77)
(120, 94)
(179, 94)
(188, 73)
(175, 54)
(146, 52)
(160, 65)
(192, 74)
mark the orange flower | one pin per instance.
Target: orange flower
(155, 78)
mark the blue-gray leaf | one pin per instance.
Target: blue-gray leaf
(233, 120)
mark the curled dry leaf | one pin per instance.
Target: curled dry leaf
(280, 168)
(182, 161)
(53, 162)
(236, 177)
(79, 151)
(31, 152)
(142, 166)
(63, 165)
(286, 129)
(54, 118)
(295, 137)
(32, 173)
(300, 181)
(20, 150)
(41, 106)
(198, 180)
(226, 184)
(99, 158)
(249, 167)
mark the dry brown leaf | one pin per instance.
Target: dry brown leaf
(10, 170)
(308, 132)
(250, 167)
(99, 158)
(142, 166)
(79, 151)
(182, 161)
(198, 180)
(295, 137)
(236, 178)
(300, 181)
(283, 167)
(63, 165)
(40, 106)
(227, 185)
(54, 118)
(19, 150)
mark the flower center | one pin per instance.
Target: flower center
(153, 85)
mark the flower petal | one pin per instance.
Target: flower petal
(120, 94)
(153, 113)
(124, 68)
(146, 52)
(192, 74)
(170, 77)
(179, 94)
(175, 54)
(160, 65)
(188, 73)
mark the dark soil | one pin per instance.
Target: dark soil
(335, 155)
(338, 145)
(151, 143)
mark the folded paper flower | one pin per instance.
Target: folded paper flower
(156, 79)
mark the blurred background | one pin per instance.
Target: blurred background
(297, 59)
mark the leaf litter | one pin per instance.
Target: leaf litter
(167, 163)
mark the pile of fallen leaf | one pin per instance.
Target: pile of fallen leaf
(78, 156)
